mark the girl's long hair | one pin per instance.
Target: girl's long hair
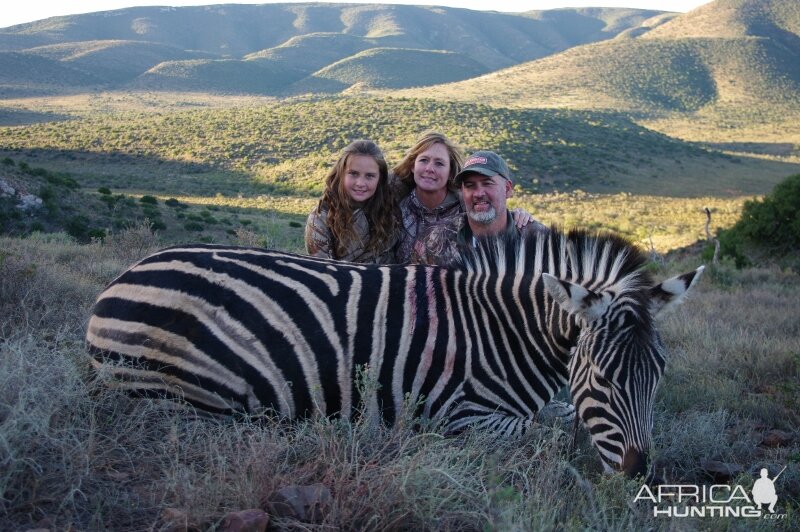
(380, 209)
(404, 170)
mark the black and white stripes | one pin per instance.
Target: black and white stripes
(487, 342)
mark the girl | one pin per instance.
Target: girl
(356, 218)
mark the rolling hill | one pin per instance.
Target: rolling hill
(368, 68)
(726, 53)
(145, 44)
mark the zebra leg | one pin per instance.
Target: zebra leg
(473, 415)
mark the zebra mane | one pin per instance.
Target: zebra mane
(596, 261)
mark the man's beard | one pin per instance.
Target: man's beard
(485, 217)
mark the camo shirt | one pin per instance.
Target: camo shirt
(429, 236)
(319, 241)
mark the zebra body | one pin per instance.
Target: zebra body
(487, 342)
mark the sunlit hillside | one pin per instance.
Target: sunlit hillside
(729, 65)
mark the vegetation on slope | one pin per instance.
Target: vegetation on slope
(642, 75)
(114, 61)
(288, 146)
(395, 68)
(314, 51)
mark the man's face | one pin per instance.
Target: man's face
(485, 196)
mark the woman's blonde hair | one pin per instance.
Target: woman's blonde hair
(404, 170)
(379, 209)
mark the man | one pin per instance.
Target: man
(485, 183)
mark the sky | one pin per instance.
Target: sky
(19, 11)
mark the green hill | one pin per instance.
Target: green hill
(114, 61)
(591, 24)
(228, 76)
(305, 37)
(316, 50)
(28, 74)
(727, 53)
(398, 67)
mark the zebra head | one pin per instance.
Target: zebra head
(618, 360)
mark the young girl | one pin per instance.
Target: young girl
(356, 218)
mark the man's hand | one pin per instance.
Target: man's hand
(521, 217)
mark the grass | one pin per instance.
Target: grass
(77, 455)
(285, 147)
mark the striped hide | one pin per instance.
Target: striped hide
(486, 342)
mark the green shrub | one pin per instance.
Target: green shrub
(172, 202)
(149, 200)
(78, 228)
(8, 161)
(193, 226)
(95, 233)
(295, 224)
(770, 226)
(104, 190)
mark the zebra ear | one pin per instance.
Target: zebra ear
(575, 299)
(671, 293)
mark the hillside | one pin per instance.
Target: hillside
(219, 76)
(729, 52)
(400, 67)
(285, 147)
(114, 61)
(642, 75)
(24, 74)
(112, 47)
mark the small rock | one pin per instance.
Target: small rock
(29, 201)
(720, 471)
(246, 521)
(305, 503)
(175, 520)
(776, 438)
(6, 189)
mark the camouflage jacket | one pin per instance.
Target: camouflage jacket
(426, 234)
(451, 239)
(319, 241)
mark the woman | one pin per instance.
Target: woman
(432, 205)
(431, 208)
(356, 218)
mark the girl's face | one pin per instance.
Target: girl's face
(361, 176)
(432, 168)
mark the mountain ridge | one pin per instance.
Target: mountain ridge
(281, 33)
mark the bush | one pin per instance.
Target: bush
(8, 161)
(770, 226)
(149, 199)
(104, 190)
(193, 226)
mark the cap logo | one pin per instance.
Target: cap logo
(475, 160)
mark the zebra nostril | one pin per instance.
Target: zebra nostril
(634, 463)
